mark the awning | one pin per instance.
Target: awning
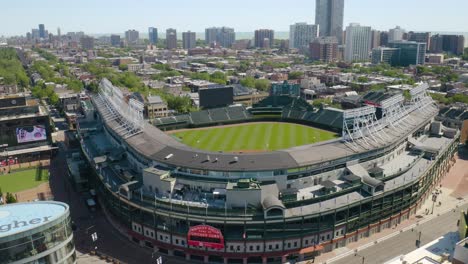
(311, 249)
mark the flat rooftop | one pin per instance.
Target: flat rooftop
(22, 217)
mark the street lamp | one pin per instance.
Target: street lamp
(418, 241)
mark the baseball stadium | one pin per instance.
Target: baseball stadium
(277, 181)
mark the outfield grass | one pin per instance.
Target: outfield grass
(253, 137)
(21, 180)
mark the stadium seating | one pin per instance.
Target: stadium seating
(218, 114)
(237, 113)
(201, 117)
(284, 106)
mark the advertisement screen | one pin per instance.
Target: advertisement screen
(31, 134)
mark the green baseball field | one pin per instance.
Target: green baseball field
(252, 137)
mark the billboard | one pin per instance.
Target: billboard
(205, 236)
(31, 134)
(216, 96)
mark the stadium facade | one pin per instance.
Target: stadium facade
(38, 232)
(271, 206)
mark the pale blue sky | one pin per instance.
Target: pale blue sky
(116, 16)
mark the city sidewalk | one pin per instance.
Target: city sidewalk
(454, 193)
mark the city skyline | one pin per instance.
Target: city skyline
(207, 13)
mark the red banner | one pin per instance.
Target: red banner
(205, 236)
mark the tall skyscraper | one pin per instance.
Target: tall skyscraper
(115, 40)
(329, 17)
(396, 34)
(324, 49)
(223, 36)
(153, 35)
(171, 38)
(42, 32)
(132, 36)
(59, 32)
(188, 40)
(301, 34)
(264, 38)
(358, 42)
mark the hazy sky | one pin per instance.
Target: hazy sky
(116, 16)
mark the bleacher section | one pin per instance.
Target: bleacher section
(205, 117)
(218, 114)
(238, 113)
(201, 117)
(285, 108)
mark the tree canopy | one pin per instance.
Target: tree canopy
(11, 69)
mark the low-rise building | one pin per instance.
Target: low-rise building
(155, 107)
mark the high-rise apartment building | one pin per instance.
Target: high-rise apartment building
(42, 31)
(324, 49)
(189, 40)
(115, 40)
(375, 39)
(264, 38)
(421, 37)
(223, 36)
(301, 35)
(384, 38)
(329, 17)
(153, 35)
(411, 52)
(211, 35)
(454, 44)
(358, 43)
(396, 34)
(171, 38)
(132, 36)
(87, 43)
(35, 33)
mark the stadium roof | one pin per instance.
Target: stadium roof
(156, 145)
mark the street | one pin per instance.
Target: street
(406, 242)
(110, 241)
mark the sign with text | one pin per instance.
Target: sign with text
(205, 236)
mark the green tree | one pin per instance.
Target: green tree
(218, 77)
(363, 79)
(10, 198)
(262, 85)
(248, 82)
(123, 67)
(11, 69)
(295, 75)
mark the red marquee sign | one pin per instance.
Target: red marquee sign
(205, 236)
